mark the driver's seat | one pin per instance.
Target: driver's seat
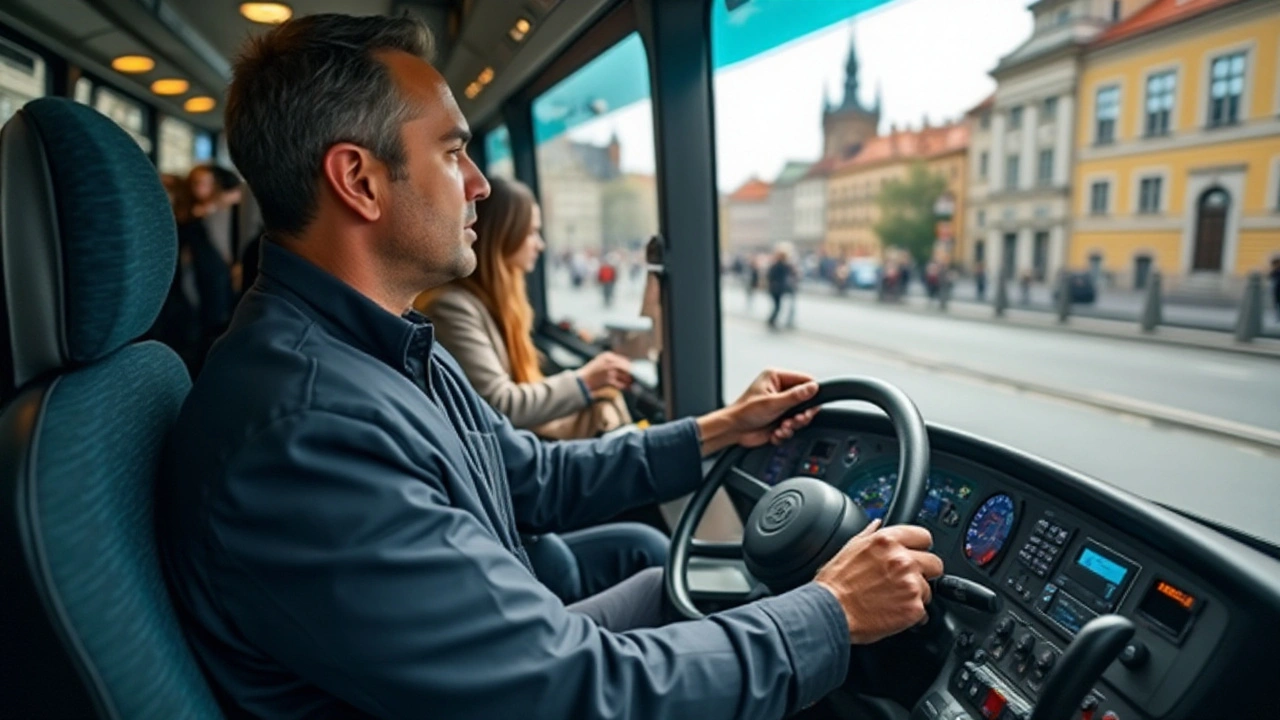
(89, 247)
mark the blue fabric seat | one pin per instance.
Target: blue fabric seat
(88, 250)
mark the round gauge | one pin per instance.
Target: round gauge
(989, 529)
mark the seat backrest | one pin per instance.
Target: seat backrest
(88, 246)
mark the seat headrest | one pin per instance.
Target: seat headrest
(87, 235)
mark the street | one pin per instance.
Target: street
(1048, 393)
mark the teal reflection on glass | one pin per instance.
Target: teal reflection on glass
(620, 76)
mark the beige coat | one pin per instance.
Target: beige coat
(554, 407)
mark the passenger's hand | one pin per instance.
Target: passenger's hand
(881, 579)
(606, 370)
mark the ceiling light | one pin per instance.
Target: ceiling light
(473, 90)
(170, 86)
(133, 64)
(520, 29)
(486, 76)
(266, 13)
(199, 104)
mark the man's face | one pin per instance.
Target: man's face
(428, 222)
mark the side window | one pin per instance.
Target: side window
(497, 153)
(127, 112)
(22, 78)
(177, 152)
(595, 156)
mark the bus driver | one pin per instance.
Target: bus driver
(339, 509)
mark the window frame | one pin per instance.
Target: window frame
(1241, 108)
(1112, 136)
(1156, 204)
(1044, 171)
(1015, 117)
(1012, 171)
(1168, 113)
(1094, 185)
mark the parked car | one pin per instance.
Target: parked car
(864, 274)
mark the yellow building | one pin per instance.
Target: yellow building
(853, 189)
(1178, 145)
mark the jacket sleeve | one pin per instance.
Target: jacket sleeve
(459, 326)
(342, 559)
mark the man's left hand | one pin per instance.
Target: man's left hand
(753, 419)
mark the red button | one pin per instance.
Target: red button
(994, 704)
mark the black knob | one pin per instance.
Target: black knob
(1134, 655)
(1045, 660)
(1004, 628)
(1025, 644)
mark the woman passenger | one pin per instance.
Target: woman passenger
(485, 321)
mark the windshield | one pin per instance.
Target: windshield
(1057, 227)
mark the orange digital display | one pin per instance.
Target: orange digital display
(1184, 599)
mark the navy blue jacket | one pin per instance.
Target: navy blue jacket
(339, 515)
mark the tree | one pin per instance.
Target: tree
(906, 212)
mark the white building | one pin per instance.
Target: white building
(1021, 143)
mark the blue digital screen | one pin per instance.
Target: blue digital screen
(1104, 568)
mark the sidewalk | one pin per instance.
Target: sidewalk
(1041, 315)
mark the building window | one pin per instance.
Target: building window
(1050, 109)
(1225, 89)
(1011, 172)
(1044, 174)
(1098, 197)
(982, 218)
(1149, 195)
(985, 121)
(1015, 118)
(1160, 89)
(1063, 16)
(982, 164)
(1115, 10)
(23, 78)
(1106, 112)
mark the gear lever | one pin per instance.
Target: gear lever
(1094, 648)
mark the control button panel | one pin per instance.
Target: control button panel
(1041, 551)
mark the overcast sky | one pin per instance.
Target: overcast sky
(929, 56)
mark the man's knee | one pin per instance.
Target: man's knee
(647, 542)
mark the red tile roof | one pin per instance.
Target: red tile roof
(920, 144)
(753, 190)
(1158, 14)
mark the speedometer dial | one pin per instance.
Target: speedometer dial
(989, 529)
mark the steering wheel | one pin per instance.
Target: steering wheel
(800, 523)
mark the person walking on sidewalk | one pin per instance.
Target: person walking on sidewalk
(783, 279)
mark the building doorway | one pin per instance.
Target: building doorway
(1211, 230)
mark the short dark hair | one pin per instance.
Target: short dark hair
(306, 85)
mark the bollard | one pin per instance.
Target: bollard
(1064, 296)
(1002, 294)
(1249, 323)
(944, 292)
(1152, 311)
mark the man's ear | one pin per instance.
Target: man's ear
(353, 176)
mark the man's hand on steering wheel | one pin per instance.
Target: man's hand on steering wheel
(752, 420)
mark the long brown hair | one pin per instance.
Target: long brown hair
(503, 222)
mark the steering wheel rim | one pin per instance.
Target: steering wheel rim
(913, 471)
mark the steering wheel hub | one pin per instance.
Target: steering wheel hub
(796, 527)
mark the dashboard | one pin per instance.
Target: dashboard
(1061, 549)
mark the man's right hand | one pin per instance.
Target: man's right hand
(606, 370)
(881, 579)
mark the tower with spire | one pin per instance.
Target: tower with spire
(845, 127)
